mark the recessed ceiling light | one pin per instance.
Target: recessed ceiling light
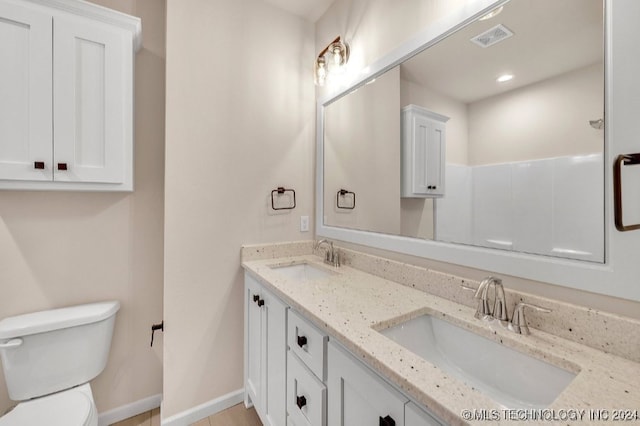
(494, 12)
(504, 78)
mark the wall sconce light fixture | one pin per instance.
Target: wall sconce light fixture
(331, 60)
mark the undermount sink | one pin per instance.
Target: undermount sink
(302, 271)
(510, 378)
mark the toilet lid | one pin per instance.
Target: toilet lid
(68, 408)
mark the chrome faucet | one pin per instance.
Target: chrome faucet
(331, 256)
(499, 310)
(518, 323)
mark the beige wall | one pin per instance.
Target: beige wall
(542, 120)
(373, 28)
(362, 155)
(240, 122)
(62, 248)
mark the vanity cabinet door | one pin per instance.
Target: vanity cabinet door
(265, 353)
(25, 93)
(415, 416)
(253, 344)
(357, 396)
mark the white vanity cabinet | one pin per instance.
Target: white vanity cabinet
(296, 376)
(423, 152)
(66, 110)
(415, 416)
(265, 353)
(358, 396)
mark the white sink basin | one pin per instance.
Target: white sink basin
(510, 378)
(302, 272)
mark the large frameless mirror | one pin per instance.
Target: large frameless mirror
(492, 137)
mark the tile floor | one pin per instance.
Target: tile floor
(234, 416)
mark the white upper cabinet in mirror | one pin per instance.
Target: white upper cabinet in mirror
(528, 177)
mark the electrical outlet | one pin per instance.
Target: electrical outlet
(304, 223)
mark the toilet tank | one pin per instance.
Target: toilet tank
(49, 351)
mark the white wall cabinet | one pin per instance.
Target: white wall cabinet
(423, 152)
(66, 104)
(265, 353)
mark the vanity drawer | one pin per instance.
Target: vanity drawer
(308, 343)
(306, 395)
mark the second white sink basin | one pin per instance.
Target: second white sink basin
(510, 378)
(302, 272)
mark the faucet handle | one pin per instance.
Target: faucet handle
(466, 287)
(483, 308)
(519, 322)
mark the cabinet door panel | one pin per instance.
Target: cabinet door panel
(357, 396)
(25, 93)
(90, 102)
(275, 338)
(253, 344)
(265, 353)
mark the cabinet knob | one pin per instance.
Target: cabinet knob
(301, 401)
(261, 302)
(387, 421)
(256, 297)
(62, 166)
(302, 340)
(38, 165)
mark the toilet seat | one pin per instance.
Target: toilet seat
(69, 408)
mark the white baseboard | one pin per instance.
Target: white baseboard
(207, 409)
(129, 410)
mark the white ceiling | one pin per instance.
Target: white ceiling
(551, 37)
(308, 9)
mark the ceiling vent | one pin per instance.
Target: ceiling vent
(492, 36)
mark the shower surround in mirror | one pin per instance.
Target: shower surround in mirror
(551, 207)
(524, 167)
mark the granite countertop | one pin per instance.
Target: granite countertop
(350, 305)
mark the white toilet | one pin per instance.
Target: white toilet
(49, 357)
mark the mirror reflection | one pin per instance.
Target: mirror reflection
(492, 137)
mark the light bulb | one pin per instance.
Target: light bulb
(337, 55)
(321, 72)
(491, 14)
(504, 78)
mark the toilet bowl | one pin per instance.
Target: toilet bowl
(67, 408)
(48, 359)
